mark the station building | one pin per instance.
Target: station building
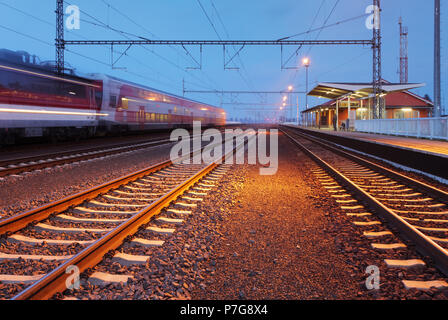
(354, 101)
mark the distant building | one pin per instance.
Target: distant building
(357, 97)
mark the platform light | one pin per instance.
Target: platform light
(306, 61)
(406, 109)
(290, 88)
(285, 98)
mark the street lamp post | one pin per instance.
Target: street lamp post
(290, 88)
(297, 116)
(306, 64)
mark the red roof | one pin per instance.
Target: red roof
(406, 99)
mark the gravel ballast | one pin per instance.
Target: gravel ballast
(275, 242)
(31, 190)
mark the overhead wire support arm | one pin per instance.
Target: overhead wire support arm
(284, 64)
(199, 67)
(230, 60)
(113, 63)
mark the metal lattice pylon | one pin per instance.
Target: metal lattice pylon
(403, 52)
(60, 46)
(378, 105)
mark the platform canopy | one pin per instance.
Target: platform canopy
(337, 90)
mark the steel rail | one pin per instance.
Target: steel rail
(423, 243)
(98, 153)
(21, 220)
(431, 190)
(55, 281)
(45, 156)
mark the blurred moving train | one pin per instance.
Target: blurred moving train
(35, 102)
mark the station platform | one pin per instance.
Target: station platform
(439, 148)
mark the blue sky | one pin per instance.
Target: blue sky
(259, 67)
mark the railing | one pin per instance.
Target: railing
(431, 128)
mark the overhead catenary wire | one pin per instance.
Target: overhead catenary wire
(325, 27)
(127, 34)
(250, 83)
(306, 32)
(74, 52)
(120, 12)
(220, 38)
(317, 36)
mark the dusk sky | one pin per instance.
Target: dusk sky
(165, 67)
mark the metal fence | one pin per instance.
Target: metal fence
(431, 128)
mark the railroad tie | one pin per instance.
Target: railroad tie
(362, 214)
(86, 220)
(372, 234)
(405, 264)
(202, 189)
(346, 201)
(95, 203)
(146, 243)
(160, 230)
(89, 210)
(352, 207)
(366, 223)
(33, 241)
(181, 212)
(128, 259)
(16, 279)
(388, 246)
(191, 198)
(142, 194)
(103, 279)
(47, 227)
(425, 285)
(6, 256)
(169, 220)
(205, 185)
(129, 199)
(197, 193)
(186, 205)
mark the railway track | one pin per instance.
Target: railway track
(20, 165)
(368, 191)
(38, 247)
(28, 164)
